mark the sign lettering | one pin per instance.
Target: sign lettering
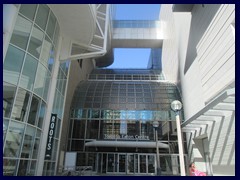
(50, 136)
(125, 136)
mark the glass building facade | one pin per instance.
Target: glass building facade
(116, 107)
(27, 74)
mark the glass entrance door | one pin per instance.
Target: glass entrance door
(132, 164)
(127, 163)
(110, 162)
(122, 163)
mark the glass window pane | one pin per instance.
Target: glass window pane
(92, 126)
(13, 139)
(22, 170)
(32, 168)
(28, 73)
(56, 34)
(51, 25)
(35, 44)
(28, 10)
(9, 166)
(42, 16)
(41, 114)
(21, 32)
(36, 148)
(51, 59)
(78, 129)
(8, 97)
(20, 106)
(5, 127)
(40, 79)
(12, 65)
(57, 128)
(33, 110)
(28, 142)
(46, 49)
(46, 86)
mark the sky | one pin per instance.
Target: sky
(134, 57)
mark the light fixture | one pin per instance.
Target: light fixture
(155, 125)
(176, 107)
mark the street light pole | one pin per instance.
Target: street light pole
(155, 125)
(176, 107)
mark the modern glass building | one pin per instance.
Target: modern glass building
(64, 112)
(111, 122)
(28, 70)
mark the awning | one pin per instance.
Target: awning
(130, 144)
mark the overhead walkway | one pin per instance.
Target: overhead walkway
(132, 34)
(137, 34)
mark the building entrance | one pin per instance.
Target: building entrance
(126, 163)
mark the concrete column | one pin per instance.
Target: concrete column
(51, 95)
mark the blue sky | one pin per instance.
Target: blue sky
(135, 57)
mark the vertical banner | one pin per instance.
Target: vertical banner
(50, 136)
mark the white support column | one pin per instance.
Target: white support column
(51, 93)
(61, 126)
(10, 12)
(180, 145)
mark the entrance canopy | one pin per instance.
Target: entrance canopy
(131, 144)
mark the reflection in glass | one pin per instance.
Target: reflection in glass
(28, 73)
(122, 161)
(28, 10)
(9, 167)
(142, 163)
(13, 139)
(57, 128)
(51, 25)
(41, 77)
(35, 148)
(123, 127)
(21, 32)
(22, 170)
(20, 106)
(51, 59)
(47, 46)
(33, 110)
(36, 41)
(131, 128)
(8, 97)
(28, 142)
(42, 16)
(78, 129)
(131, 163)
(36, 144)
(12, 65)
(32, 168)
(46, 86)
(56, 34)
(151, 164)
(41, 114)
(110, 163)
(92, 129)
(5, 127)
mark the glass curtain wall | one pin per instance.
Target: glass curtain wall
(109, 110)
(27, 71)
